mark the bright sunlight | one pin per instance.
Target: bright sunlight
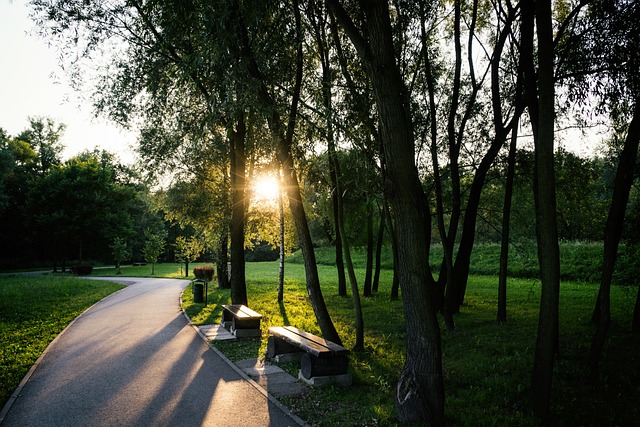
(265, 188)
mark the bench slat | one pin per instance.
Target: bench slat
(311, 343)
(325, 343)
(249, 312)
(297, 341)
(242, 311)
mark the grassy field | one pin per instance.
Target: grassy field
(33, 311)
(487, 366)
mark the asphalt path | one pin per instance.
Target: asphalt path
(133, 359)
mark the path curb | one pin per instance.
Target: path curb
(240, 372)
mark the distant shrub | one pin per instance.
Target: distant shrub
(261, 252)
(205, 273)
(82, 269)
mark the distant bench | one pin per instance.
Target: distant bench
(241, 320)
(320, 358)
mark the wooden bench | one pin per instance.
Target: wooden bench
(241, 320)
(319, 357)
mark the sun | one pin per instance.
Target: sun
(265, 188)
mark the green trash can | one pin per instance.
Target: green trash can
(198, 292)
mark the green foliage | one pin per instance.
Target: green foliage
(580, 261)
(154, 246)
(82, 269)
(33, 310)
(72, 207)
(188, 249)
(120, 251)
(43, 136)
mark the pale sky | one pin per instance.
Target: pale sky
(28, 88)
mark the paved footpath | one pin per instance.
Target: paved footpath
(134, 360)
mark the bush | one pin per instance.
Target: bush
(82, 269)
(205, 272)
(262, 252)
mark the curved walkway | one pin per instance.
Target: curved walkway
(133, 359)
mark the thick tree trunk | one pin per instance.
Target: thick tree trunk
(420, 391)
(613, 232)
(541, 107)
(238, 210)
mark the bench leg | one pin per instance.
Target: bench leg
(276, 347)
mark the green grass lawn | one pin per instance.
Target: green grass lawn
(33, 311)
(487, 366)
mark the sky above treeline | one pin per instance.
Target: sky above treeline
(33, 85)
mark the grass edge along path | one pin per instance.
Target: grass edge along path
(34, 310)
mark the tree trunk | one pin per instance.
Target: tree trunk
(420, 391)
(222, 260)
(635, 323)
(238, 210)
(395, 284)
(368, 277)
(506, 219)
(334, 165)
(463, 257)
(355, 293)
(284, 144)
(376, 276)
(613, 232)
(342, 279)
(446, 267)
(541, 101)
(281, 265)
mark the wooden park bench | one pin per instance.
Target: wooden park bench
(319, 358)
(241, 320)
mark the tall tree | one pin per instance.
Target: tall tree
(506, 222)
(72, 207)
(600, 59)
(420, 392)
(44, 136)
(283, 136)
(540, 96)
(318, 18)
